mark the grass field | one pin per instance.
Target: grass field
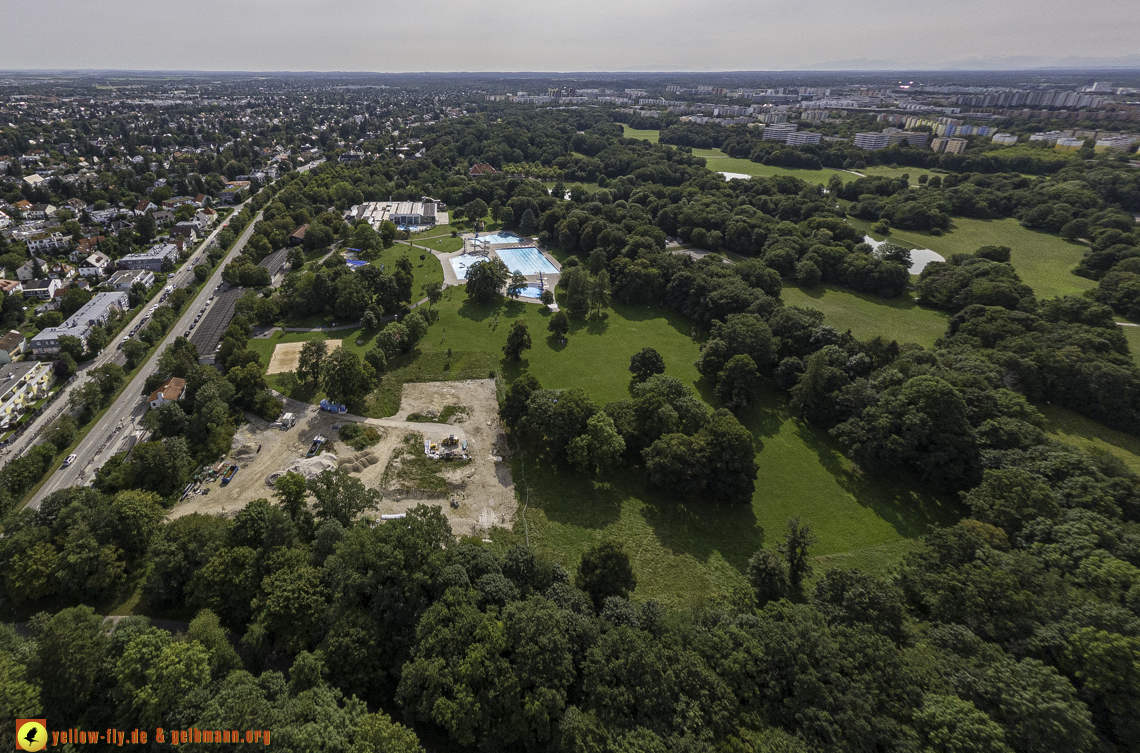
(1090, 435)
(1045, 262)
(681, 551)
(1132, 334)
(634, 133)
(867, 316)
(755, 169)
(889, 171)
(445, 243)
(424, 270)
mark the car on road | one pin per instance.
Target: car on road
(70, 459)
(186, 333)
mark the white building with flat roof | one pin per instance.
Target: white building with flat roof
(401, 213)
(95, 312)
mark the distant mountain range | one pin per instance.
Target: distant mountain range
(1000, 63)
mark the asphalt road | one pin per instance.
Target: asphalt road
(110, 354)
(111, 434)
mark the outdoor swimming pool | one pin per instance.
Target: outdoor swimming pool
(529, 261)
(460, 264)
(531, 291)
(500, 238)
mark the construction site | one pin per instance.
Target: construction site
(458, 464)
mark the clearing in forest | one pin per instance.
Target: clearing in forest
(286, 356)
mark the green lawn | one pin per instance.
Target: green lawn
(755, 169)
(1132, 334)
(444, 243)
(682, 552)
(1090, 435)
(423, 271)
(867, 316)
(1045, 262)
(634, 133)
(890, 171)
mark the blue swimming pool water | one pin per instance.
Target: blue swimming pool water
(500, 238)
(531, 292)
(526, 260)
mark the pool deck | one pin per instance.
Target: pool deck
(450, 278)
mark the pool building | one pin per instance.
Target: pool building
(404, 214)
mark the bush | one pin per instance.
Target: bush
(359, 436)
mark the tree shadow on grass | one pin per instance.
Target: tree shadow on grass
(651, 312)
(700, 527)
(766, 416)
(598, 323)
(909, 507)
(557, 344)
(571, 498)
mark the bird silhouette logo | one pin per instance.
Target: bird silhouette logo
(31, 734)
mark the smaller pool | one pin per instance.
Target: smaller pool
(531, 292)
(460, 264)
(500, 238)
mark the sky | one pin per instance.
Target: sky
(567, 35)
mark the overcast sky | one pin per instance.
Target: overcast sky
(564, 35)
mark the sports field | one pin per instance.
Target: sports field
(286, 355)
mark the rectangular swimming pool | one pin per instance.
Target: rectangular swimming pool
(500, 238)
(529, 261)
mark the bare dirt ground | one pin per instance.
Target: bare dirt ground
(286, 356)
(482, 488)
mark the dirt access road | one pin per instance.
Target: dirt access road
(482, 488)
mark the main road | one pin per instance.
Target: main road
(109, 354)
(121, 420)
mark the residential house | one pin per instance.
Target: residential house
(125, 279)
(97, 311)
(97, 264)
(45, 290)
(188, 231)
(144, 206)
(60, 271)
(163, 217)
(38, 244)
(8, 287)
(84, 247)
(152, 259)
(297, 237)
(5, 220)
(168, 392)
(34, 180)
(21, 386)
(206, 218)
(199, 200)
(177, 201)
(481, 169)
(26, 271)
(75, 205)
(12, 346)
(40, 211)
(23, 205)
